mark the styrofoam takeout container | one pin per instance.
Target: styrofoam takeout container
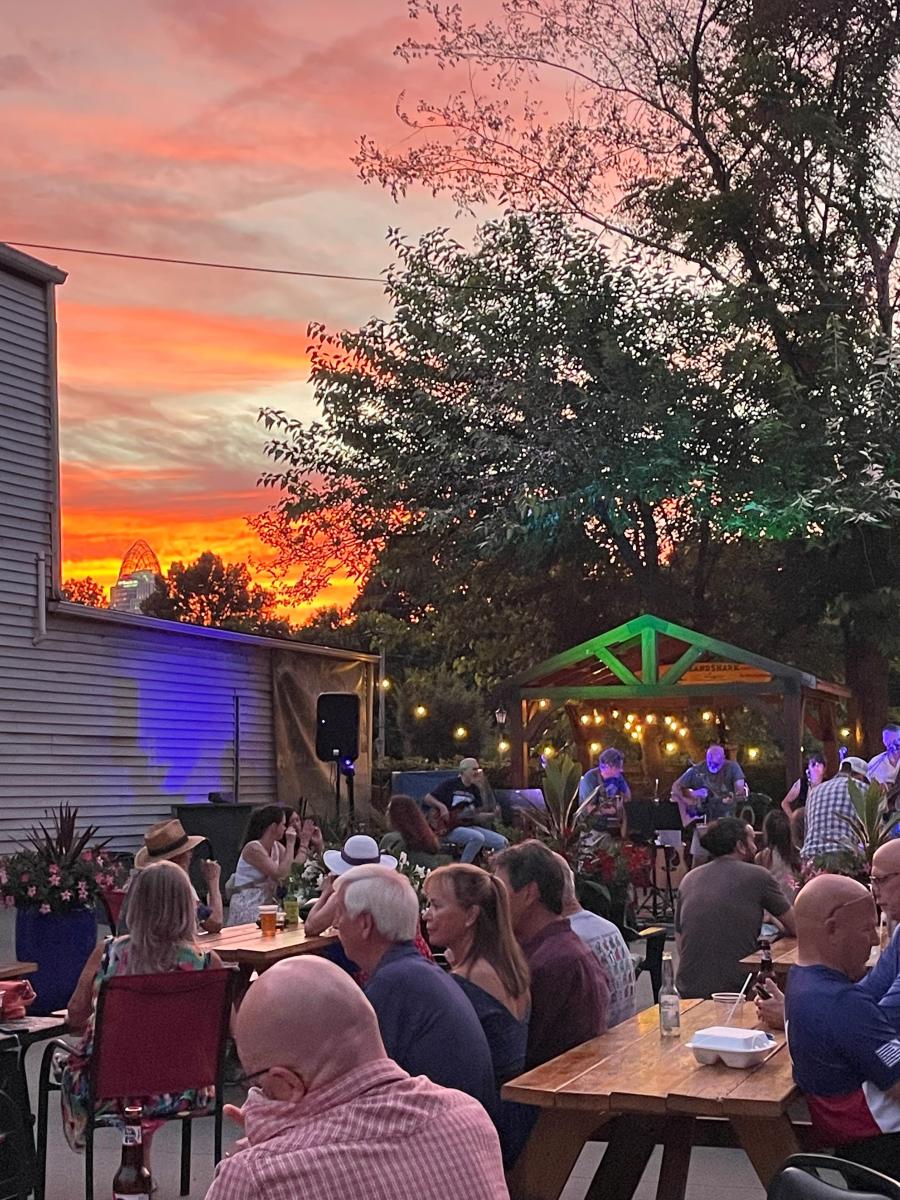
(740, 1048)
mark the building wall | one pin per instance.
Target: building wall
(119, 715)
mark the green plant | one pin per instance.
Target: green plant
(866, 827)
(559, 823)
(57, 869)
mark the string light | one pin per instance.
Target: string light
(460, 732)
(385, 685)
(683, 732)
(844, 732)
(650, 718)
(543, 705)
(420, 711)
(586, 720)
(599, 719)
(635, 736)
(670, 721)
(707, 715)
(671, 747)
(595, 747)
(752, 752)
(548, 752)
(615, 714)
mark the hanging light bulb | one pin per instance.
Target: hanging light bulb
(548, 751)
(585, 719)
(707, 715)
(671, 747)
(595, 747)
(752, 752)
(543, 705)
(420, 711)
(460, 732)
(615, 714)
(650, 718)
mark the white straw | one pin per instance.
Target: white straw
(739, 999)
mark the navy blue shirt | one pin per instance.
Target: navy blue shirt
(846, 1055)
(883, 981)
(429, 1026)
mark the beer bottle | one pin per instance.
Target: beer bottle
(669, 1004)
(766, 970)
(132, 1177)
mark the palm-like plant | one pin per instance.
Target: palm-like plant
(866, 828)
(559, 822)
(62, 845)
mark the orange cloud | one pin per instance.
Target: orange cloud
(172, 350)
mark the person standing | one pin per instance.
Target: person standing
(885, 768)
(828, 844)
(811, 777)
(459, 804)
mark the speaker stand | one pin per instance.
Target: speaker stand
(337, 793)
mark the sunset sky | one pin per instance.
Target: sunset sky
(190, 129)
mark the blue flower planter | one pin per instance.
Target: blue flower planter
(60, 944)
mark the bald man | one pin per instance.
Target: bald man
(331, 1115)
(845, 1050)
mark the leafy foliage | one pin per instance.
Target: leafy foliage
(558, 824)
(866, 828)
(57, 869)
(85, 591)
(449, 708)
(211, 592)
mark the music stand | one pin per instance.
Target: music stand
(645, 820)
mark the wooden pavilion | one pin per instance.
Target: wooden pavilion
(648, 664)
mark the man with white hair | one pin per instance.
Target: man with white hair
(427, 1022)
(331, 1116)
(608, 945)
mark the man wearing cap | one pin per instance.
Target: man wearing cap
(829, 843)
(457, 802)
(168, 842)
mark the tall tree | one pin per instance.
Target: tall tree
(757, 144)
(210, 592)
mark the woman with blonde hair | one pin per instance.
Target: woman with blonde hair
(162, 924)
(468, 914)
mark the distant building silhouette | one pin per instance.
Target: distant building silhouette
(137, 578)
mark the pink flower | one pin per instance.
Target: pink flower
(88, 855)
(24, 877)
(45, 908)
(4, 878)
(32, 891)
(66, 895)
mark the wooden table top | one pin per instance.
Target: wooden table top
(246, 944)
(16, 970)
(784, 956)
(632, 1069)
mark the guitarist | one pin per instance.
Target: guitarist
(456, 809)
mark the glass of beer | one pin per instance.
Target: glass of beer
(268, 919)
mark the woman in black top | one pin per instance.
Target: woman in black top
(811, 777)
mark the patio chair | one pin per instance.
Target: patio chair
(16, 1155)
(800, 1179)
(152, 1034)
(112, 900)
(654, 939)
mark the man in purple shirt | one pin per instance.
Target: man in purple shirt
(569, 990)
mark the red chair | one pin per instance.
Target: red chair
(112, 901)
(152, 1034)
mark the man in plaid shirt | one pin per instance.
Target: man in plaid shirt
(332, 1117)
(829, 843)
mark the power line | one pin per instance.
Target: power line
(191, 262)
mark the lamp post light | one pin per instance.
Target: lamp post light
(500, 716)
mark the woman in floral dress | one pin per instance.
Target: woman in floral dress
(162, 924)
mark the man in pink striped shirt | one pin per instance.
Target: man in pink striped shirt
(332, 1117)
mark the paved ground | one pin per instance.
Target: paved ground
(714, 1173)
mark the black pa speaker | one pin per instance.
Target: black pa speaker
(337, 726)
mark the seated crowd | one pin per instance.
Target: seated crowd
(384, 1078)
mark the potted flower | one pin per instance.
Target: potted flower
(53, 882)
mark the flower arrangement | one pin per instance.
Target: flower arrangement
(306, 879)
(415, 875)
(606, 871)
(57, 870)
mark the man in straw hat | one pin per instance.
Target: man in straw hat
(167, 842)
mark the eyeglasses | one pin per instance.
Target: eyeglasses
(880, 880)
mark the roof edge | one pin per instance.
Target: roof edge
(65, 608)
(32, 268)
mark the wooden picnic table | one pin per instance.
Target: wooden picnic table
(252, 951)
(15, 970)
(646, 1089)
(784, 956)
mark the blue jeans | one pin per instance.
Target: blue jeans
(474, 839)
